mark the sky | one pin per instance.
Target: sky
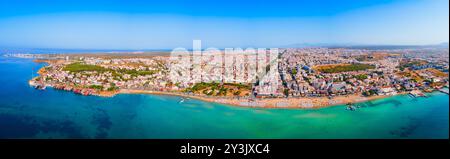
(167, 24)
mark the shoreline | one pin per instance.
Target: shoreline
(274, 103)
(267, 103)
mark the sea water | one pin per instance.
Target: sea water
(29, 113)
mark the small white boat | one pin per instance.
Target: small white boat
(350, 107)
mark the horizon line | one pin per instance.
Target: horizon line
(305, 45)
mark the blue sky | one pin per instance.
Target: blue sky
(131, 24)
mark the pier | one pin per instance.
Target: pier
(443, 91)
(417, 93)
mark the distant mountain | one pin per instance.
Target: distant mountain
(369, 47)
(444, 44)
(306, 45)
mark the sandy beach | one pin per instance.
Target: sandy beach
(300, 103)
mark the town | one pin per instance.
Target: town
(323, 76)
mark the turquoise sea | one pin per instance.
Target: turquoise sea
(29, 113)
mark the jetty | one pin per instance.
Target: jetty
(417, 93)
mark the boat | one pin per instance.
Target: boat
(422, 95)
(86, 93)
(77, 91)
(183, 99)
(351, 108)
(40, 87)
